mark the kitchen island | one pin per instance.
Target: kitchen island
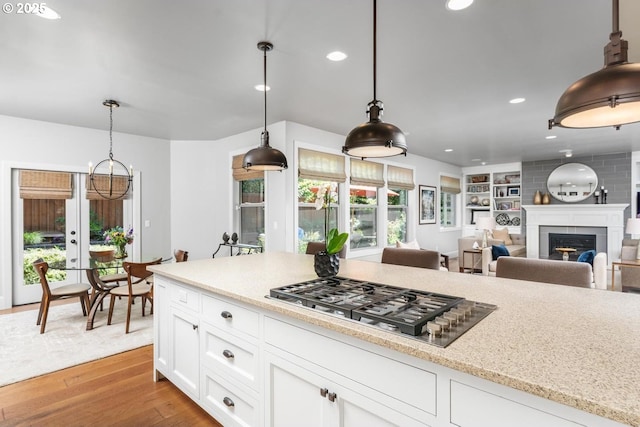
(549, 355)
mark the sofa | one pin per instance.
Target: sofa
(580, 274)
(515, 244)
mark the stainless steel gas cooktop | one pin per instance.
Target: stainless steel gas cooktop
(427, 316)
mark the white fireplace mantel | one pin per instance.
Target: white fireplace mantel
(610, 216)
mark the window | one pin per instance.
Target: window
(311, 220)
(449, 193)
(250, 202)
(399, 182)
(317, 172)
(366, 179)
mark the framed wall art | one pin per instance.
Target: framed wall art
(428, 202)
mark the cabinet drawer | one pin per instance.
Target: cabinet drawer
(229, 316)
(396, 382)
(230, 356)
(184, 298)
(471, 406)
(227, 403)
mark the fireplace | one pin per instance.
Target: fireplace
(604, 220)
(579, 242)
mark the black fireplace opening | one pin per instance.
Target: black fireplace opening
(579, 242)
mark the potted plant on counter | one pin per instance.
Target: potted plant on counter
(327, 262)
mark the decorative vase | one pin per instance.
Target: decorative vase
(121, 251)
(537, 198)
(326, 265)
(225, 237)
(545, 199)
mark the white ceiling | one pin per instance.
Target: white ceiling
(186, 69)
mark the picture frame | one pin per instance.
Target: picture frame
(513, 191)
(427, 203)
(504, 206)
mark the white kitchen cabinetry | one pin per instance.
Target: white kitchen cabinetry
(250, 366)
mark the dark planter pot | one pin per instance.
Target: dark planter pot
(326, 265)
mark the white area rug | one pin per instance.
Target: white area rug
(25, 353)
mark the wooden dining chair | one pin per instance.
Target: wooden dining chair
(180, 255)
(315, 247)
(80, 290)
(137, 286)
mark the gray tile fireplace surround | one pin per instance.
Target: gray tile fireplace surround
(544, 231)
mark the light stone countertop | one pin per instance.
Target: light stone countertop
(579, 347)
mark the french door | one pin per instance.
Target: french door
(59, 228)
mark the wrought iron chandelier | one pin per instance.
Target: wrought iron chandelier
(110, 178)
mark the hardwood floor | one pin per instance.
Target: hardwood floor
(114, 391)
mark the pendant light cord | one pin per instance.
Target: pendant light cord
(616, 17)
(265, 88)
(375, 20)
(111, 131)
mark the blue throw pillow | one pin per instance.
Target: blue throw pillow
(587, 256)
(498, 251)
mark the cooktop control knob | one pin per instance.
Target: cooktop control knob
(434, 329)
(452, 317)
(460, 313)
(444, 323)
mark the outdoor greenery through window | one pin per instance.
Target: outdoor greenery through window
(449, 194)
(311, 227)
(397, 208)
(252, 211)
(363, 218)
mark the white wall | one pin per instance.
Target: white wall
(30, 142)
(197, 224)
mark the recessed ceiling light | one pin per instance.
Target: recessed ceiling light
(458, 4)
(516, 101)
(337, 56)
(47, 13)
(261, 88)
(475, 160)
(550, 137)
(483, 163)
(448, 150)
(567, 152)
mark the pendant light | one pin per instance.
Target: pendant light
(375, 138)
(110, 178)
(264, 158)
(608, 97)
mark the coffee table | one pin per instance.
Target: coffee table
(565, 252)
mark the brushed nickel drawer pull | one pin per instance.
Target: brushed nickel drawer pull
(228, 354)
(225, 314)
(228, 402)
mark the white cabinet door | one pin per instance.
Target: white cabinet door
(161, 323)
(185, 345)
(299, 396)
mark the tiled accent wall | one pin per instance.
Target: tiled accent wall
(613, 170)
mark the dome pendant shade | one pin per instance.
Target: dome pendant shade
(375, 138)
(608, 97)
(265, 158)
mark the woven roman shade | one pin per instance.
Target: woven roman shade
(320, 166)
(449, 184)
(240, 173)
(400, 178)
(45, 185)
(367, 173)
(118, 186)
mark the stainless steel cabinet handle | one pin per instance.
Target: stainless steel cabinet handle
(332, 397)
(228, 402)
(228, 354)
(225, 314)
(323, 392)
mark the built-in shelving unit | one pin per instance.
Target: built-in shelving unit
(493, 191)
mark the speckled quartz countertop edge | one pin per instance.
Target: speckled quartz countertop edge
(235, 278)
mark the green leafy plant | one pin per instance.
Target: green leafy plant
(333, 238)
(32, 237)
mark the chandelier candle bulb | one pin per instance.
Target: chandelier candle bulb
(90, 168)
(131, 170)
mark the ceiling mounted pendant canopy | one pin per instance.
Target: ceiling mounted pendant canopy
(608, 97)
(110, 178)
(375, 138)
(264, 157)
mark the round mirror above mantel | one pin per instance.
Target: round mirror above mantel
(572, 182)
